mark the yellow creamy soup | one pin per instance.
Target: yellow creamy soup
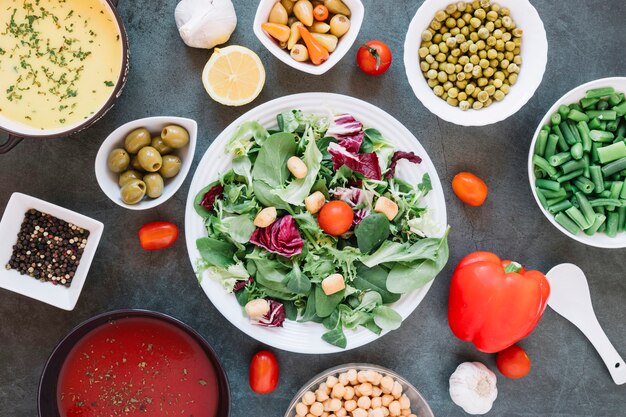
(59, 60)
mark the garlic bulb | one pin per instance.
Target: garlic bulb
(205, 23)
(473, 387)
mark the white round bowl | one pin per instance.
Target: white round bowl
(598, 240)
(108, 180)
(295, 336)
(534, 59)
(345, 42)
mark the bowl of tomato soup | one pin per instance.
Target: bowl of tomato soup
(133, 363)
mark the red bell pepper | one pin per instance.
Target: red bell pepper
(495, 303)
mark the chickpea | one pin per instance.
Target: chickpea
(394, 408)
(338, 391)
(308, 398)
(316, 409)
(349, 405)
(301, 409)
(364, 402)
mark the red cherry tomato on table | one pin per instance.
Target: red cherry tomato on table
(513, 362)
(336, 218)
(158, 235)
(263, 372)
(469, 188)
(374, 58)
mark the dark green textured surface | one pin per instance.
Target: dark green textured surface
(586, 41)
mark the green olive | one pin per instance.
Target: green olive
(159, 145)
(133, 191)
(171, 166)
(118, 160)
(150, 159)
(154, 185)
(127, 176)
(137, 139)
(134, 164)
(175, 136)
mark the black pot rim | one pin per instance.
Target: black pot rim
(100, 319)
(106, 106)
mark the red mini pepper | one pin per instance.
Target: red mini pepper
(158, 235)
(495, 303)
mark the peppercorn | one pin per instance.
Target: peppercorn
(48, 248)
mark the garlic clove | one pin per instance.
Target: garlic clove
(473, 388)
(205, 24)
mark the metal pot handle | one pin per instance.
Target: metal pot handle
(10, 143)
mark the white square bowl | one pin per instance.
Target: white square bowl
(10, 279)
(108, 181)
(357, 12)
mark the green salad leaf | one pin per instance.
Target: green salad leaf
(372, 232)
(245, 137)
(216, 252)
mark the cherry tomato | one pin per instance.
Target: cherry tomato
(158, 235)
(469, 188)
(336, 218)
(320, 13)
(513, 362)
(374, 58)
(263, 372)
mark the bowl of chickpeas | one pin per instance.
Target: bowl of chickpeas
(144, 162)
(475, 63)
(358, 390)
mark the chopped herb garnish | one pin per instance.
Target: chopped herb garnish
(109, 83)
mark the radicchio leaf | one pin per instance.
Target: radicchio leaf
(240, 285)
(364, 163)
(208, 201)
(355, 197)
(352, 143)
(275, 317)
(344, 125)
(398, 155)
(281, 237)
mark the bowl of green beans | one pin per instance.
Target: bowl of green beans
(577, 163)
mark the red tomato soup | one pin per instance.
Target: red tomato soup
(137, 366)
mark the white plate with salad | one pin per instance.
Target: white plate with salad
(316, 223)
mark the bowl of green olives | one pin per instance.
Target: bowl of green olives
(475, 62)
(144, 162)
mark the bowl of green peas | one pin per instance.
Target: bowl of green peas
(577, 163)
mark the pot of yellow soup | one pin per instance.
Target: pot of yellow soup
(62, 65)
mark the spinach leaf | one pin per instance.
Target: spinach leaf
(196, 202)
(309, 310)
(264, 193)
(372, 326)
(370, 300)
(239, 228)
(291, 311)
(374, 279)
(299, 189)
(336, 337)
(322, 145)
(216, 252)
(271, 163)
(332, 321)
(270, 274)
(404, 252)
(326, 304)
(387, 318)
(426, 185)
(297, 282)
(243, 167)
(372, 232)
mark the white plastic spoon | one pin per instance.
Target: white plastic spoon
(569, 296)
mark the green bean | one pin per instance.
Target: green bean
(603, 124)
(616, 189)
(572, 166)
(585, 207)
(551, 146)
(594, 152)
(572, 128)
(571, 175)
(611, 126)
(599, 92)
(555, 119)
(612, 223)
(578, 218)
(577, 151)
(583, 131)
(553, 201)
(576, 106)
(607, 190)
(621, 214)
(614, 99)
(548, 184)
(567, 134)
(542, 141)
(602, 105)
(563, 146)
(614, 167)
(621, 130)
(543, 164)
(546, 127)
(585, 159)
(612, 152)
(620, 109)
(542, 199)
(560, 206)
(560, 158)
(622, 194)
(596, 176)
(601, 136)
(553, 194)
(584, 184)
(605, 202)
(594, 124)
(567, 223)
(602, 114)
(588, 102)
(563, 110)
(598, 221)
